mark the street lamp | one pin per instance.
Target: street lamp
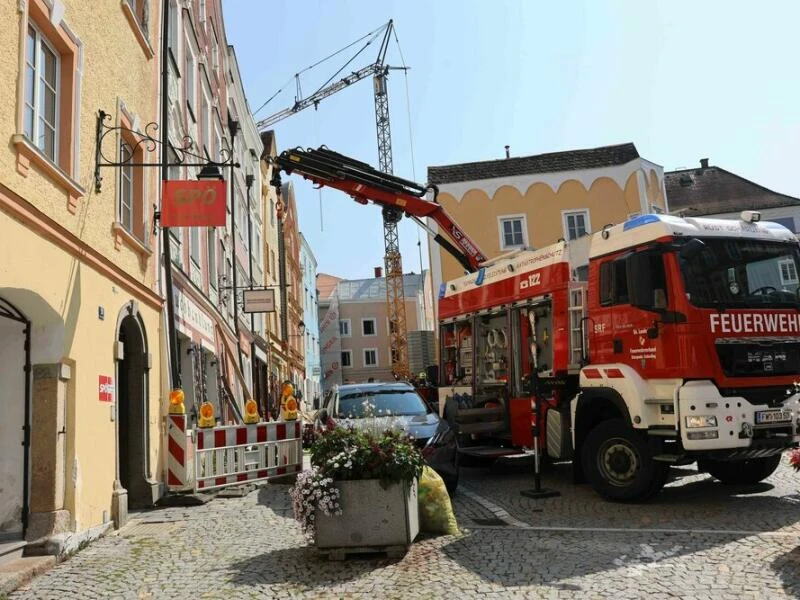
(210, 171)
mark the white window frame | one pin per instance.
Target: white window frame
(36, 109)
(211, 257)
(256, 251)
(788, 262)
(349, 328)
(364, 358)
(566, 214)
(126, 187)
(520, 217)
(194, 246)
(374, 327)
(349, 354)
(205, 116)
(191, 78)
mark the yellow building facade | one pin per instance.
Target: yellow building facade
(534, 201)
(80, 321)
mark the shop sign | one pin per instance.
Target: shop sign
(106, 388)
(191, 314)
(193, 204)
(259, 301)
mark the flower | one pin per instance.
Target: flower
(377, 451)
(313, 491)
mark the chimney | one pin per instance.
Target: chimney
(508, 154)
(378, 272)
(703, 163)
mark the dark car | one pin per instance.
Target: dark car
(400, 405)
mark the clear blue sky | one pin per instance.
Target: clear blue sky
(680, 79)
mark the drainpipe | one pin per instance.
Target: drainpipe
(249, 179)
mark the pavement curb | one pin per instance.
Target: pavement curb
(18, 572)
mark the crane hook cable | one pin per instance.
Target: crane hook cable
(319, 62)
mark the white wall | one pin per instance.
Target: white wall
(12, 409)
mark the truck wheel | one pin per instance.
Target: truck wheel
(741, 472)
(619, 465)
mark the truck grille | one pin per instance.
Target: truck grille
(758, 359)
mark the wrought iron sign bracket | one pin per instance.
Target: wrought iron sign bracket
(148, 142)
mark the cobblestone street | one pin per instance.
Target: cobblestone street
(698, 539)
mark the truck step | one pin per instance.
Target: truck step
(668, 458)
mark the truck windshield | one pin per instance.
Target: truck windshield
(742, 273)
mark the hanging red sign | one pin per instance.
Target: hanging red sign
(193, 204)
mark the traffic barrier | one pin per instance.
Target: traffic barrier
(177, 456)
(234, 454)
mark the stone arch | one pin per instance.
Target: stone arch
(133, 485)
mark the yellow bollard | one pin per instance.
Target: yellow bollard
(206, 418)
(176, 406)
(251, 412)
(288, 403)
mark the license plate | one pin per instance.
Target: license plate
(773, 416)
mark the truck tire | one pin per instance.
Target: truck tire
(619, 464)
(741, 472)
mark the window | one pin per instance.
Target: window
(130, 215)
(788, 272)
(613, 282)
(257, 256)
(126, 192)
(368, 327)
(202, 10)
(272, 260)
(205, 121)
(194, 245)
(272, 212)
(370, 357)
(211, 250)
(191, 77)
(214, 51)
(347, 358)
(46, 103)
(513, 231)
(576, 224)
(41, 93)
(344, 327)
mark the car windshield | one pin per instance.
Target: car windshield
(742, 273)
(358, 404)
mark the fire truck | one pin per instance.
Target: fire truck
(659, 341)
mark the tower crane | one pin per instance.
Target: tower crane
(391, 215)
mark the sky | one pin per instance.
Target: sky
(682, 80)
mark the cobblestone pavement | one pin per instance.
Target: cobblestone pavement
(698, 539)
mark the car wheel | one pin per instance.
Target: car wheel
(619, 464)
(741, 472)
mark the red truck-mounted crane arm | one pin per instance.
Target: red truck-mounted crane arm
(327, 168)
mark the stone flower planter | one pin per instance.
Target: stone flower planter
(373, 519)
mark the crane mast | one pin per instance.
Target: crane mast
(395, 296)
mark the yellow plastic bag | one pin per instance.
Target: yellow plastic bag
(435, 511)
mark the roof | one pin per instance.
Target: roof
(713, 191)
(570, 160)
(374, 289)
(326, 284)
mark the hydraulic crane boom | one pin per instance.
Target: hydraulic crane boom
(325, 167)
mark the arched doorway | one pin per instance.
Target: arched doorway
(15, 373)
(132, 409)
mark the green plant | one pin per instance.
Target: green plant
(347, 453)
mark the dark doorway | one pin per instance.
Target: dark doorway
(15, 381)
(132, 414)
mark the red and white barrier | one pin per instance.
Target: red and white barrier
(176, 451)
(238, 453)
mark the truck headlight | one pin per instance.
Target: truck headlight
(701, 421)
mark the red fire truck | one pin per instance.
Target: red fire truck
(656, 342)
